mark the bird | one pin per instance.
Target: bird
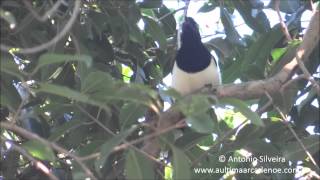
(194, 66)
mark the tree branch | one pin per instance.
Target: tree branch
(38, 164)
(47, 13)
(252, 89)
(286, 122)
(30, 135)
(57, 38)
(285, 31)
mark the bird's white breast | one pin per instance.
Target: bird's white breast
(186, 83)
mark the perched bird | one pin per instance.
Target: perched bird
(194, 67)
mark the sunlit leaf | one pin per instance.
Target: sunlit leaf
(277, 53)
(243, 108)
(39, 150)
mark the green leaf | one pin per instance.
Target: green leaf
(8, 66)
(97, 81)
(181, 164)
(154, 72)
(130, 113)
(147, 12)
(201, 123)
(246, 135)
(49, 58)
(260, 23)
(261, 146)
(68, 93)
(100, 87)
(190, 138)
(207, 7)
(138, 166)
(39, 150)
(196, 109)
(169, 22)
(278, 53)
(290, 53)
(64, 128)
(136, 51)
(232, 72)
(135, 93)
(243, 108)
(150, 3)
(9, 95)
(155, 31)
(108, 146)
(62, 91)
(196, 104)
(171, 93)
(168, 173)
(136, 35)
(91, 147)
(232, 34)
(99, 20)
(256, 57)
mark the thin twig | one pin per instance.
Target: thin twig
(179, 124)
(186, 8)
(264, 107)
(123, 146)
(179, 28)
(283, 25)
(32, 136)
(287, 123)
(285, 85)
(38, 164)
(56, 39)
(298, 57)
(18, 111)
(95, 155)
(47, 14)
(75, 42)
(172, 12)
(218, 142)
(305, 71)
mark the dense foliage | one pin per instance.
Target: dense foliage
(90, 90)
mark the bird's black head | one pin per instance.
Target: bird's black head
(190, 31)
(192, 56)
